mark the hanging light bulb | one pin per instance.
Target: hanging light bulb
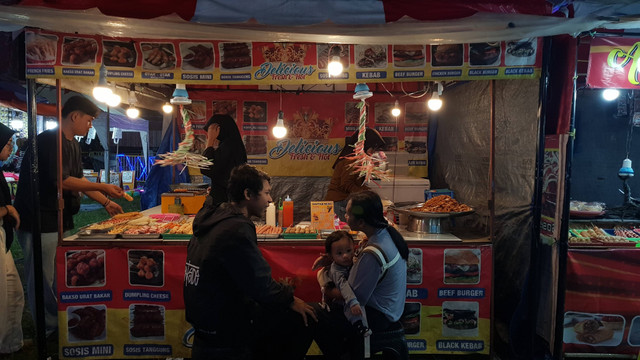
(610, 94)
(132, 111)
(279, 131)
(101, 91)
(335, 66)
(167, 108)
(435, 103)
(396, 109)
(114, 100)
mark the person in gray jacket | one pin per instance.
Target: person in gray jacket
(237, 309)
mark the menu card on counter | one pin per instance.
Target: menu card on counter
(322, 214)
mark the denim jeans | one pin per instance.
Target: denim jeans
(49, 244)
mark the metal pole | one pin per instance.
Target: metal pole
(107, 170)
(564, 225)
(534, 284)
(492, 193)
(32, 132)
(59, 161)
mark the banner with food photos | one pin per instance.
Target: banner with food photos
(78, 56)
(126, 302)
(121, 302)
(602, 302)
(317, 125)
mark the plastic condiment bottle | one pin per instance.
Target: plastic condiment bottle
(287, 212)
(271, 214)
(177, 207)
(280, 212)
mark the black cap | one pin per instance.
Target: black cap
(80, 103)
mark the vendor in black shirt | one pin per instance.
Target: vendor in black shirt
(226, 150)
(77, 117)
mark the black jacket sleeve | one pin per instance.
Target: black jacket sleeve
(249, 269)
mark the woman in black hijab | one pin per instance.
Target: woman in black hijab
(343, 181)
(11, 293)
(226, 149)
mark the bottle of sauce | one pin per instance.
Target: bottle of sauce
(287, 212)
(271, 214)
(279, 215)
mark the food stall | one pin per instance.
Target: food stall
(596, 216)
(449, 307)
(464, 298)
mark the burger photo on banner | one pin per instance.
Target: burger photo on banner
(408, 56)
(461, 266)
(446, 55)
(410, 318)
(460, 318)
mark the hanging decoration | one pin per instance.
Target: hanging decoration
(367, 166)
(183, 155)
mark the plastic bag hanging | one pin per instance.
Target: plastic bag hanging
(116, 135)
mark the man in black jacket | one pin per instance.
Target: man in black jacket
(237, 309)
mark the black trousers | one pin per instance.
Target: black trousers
(338, 339)
(278, 334)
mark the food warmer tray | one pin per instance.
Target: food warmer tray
(425, 214)
(427, 222)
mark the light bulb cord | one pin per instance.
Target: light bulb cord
(630, 132)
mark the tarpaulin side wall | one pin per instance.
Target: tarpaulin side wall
(461, 163)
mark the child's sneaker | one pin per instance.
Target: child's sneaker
(362, 330)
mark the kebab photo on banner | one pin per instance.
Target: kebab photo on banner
(183, 154)
(369, 167)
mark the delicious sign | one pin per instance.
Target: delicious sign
(613, 63)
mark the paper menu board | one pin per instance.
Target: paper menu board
(322, 214)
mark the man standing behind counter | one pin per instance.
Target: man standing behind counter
(77, 117)
(237, 309)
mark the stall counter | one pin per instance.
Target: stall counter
(128, 301)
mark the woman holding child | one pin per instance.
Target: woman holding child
(381, 292)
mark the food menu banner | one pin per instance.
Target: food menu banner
(127, 302)
(121, 302)
(613, 63)
(552, 185)
(77, 56)
(448, 304)
(317, 124)
(602, 302)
